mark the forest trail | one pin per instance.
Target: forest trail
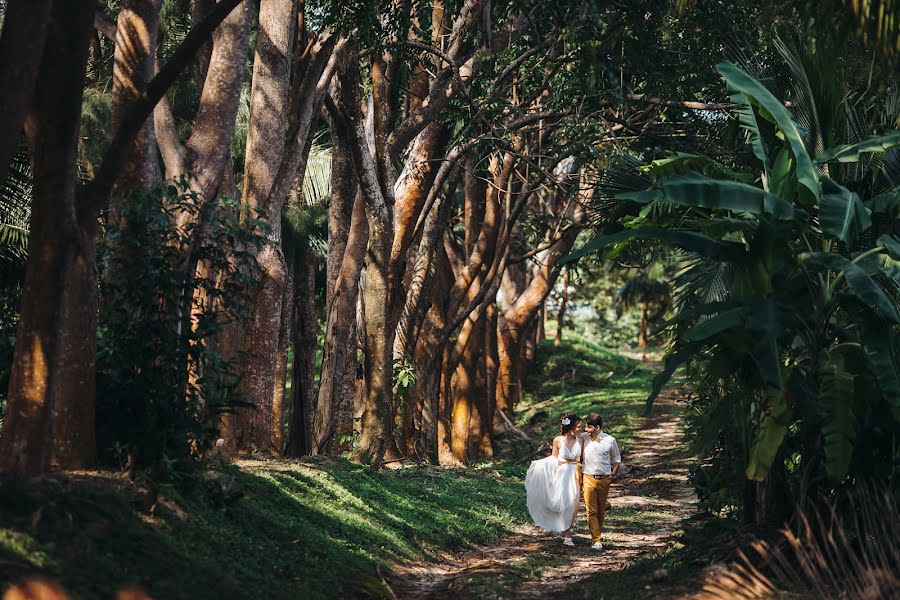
(648, 505)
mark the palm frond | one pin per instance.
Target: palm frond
(699, 280)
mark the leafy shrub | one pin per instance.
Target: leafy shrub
(167, 293)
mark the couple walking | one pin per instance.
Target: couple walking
(581, 464)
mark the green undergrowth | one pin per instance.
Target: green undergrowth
(581, 377)
(314, 529)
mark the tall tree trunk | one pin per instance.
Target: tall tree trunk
(491, 365)
(423, 411)
(49, 421)
(305, 331)
(21, 46)
(347, 239)
(337, 383)
(269, 101)
(133, 68)
(285, 336)
(563, 302)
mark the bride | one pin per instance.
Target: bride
(552, 483)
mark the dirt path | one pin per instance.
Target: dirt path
(648, 505)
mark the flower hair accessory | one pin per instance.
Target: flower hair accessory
(566, 421)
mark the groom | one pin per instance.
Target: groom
(601, 463)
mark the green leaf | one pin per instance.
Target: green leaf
(768, 440)
(887, 203)
(839, 427)
(852, 152)
(721, 322)
(747, 118)
(747, 89)
(881, 353)
(861, 285)
(682, 163)
(704, 192)
(842, 214)
(890, 243)
(687, 240)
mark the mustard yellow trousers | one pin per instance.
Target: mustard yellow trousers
(595, 492)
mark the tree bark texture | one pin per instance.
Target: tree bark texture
(49, 420)
(254, 429)
(337, 382)
(303, 341)
(21, 47)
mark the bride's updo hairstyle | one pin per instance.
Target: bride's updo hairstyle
(567, 422)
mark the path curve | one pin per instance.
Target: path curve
(656, 487)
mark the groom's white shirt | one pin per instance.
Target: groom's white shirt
(600, 454)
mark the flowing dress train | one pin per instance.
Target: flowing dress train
(552, 491)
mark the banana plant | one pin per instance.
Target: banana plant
(808, 315)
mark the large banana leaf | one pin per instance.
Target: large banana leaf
(842, 214)
(890, 243)
(723, 321)
(770, 436)
(687, 240)
(861, 285)
(746, 88)
(881, 352)
(839, 427)
(852, 152)
(705, 192)
(683, 163)
(750, 123)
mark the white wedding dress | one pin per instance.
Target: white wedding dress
(552, 489)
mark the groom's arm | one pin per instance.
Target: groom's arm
(616, 458)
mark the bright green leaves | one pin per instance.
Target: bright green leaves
(853, 152)
(772, 430)
(747, 90)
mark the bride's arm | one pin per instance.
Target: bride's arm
(556, 446)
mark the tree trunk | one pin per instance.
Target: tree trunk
(337, 383)
(49, 420)
(303, 340)
(422, 410)
(133, 68)
(285, 337)
(253, 428)
(642, 333)
(563, 302)
(491, 365)
(21, 46)
(347, 239)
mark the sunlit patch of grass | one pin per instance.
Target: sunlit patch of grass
(311, 529)
(580, 376)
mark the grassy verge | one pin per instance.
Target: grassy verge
(269, 529)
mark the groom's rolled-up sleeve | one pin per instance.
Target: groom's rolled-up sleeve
(614, 455)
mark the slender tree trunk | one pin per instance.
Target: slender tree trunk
(563, 302)
(642, 333)
(337, 383)
(49, 421)
(347, 239)
(491, 363)
(423, 409)
(285, 336)
(21, 47)
(305, 332)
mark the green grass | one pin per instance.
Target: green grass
(314, 529)
(581, 377)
